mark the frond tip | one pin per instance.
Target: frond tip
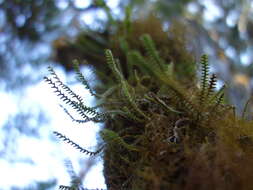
(81, 78)
(75, 145)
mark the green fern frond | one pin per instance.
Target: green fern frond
(155, 99)
(135, 58)
(112, 65)
(152, 52)
(204, 77)
(112, 139)
(82, 150)
(246, 106)
(219, 101)
(218, 94)
(124, 85)
(82, 79)
(127, 21)
(131, 115)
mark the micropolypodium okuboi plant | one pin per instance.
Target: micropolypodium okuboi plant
(159, 131)
(157, 138)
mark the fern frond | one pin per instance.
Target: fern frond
(211, 86)
(57, 90)
(131, 115)
(151, 51)
(218, 102)
(112, 138)
(135, 58)
(127, 21)
(96, 119)
(63, 187)
(78, 105)
(63, 86)
(153, 98)
(82, 150)
(122, 81)
(81, 78)
(112, 64)
(246, 107)
(216, 96)
(204, 77)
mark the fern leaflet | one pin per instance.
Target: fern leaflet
(65, 139)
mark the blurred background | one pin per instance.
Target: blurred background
(37, 33)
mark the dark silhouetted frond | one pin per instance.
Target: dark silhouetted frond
(60, 84)
(65, 139)
(211, 86)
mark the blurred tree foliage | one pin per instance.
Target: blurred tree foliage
(29, 19)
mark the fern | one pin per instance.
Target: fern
(135, 58)
(204, 77)
(153, 98)
(152, 52)
(72, 99)
(78, 147)
(122, 81)
(112, 65)
(63, 187)
(217, 94)
(63, 86)
(211, 86)
(81, 78)
(98, 118)
(112, 139)
(127, 21)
